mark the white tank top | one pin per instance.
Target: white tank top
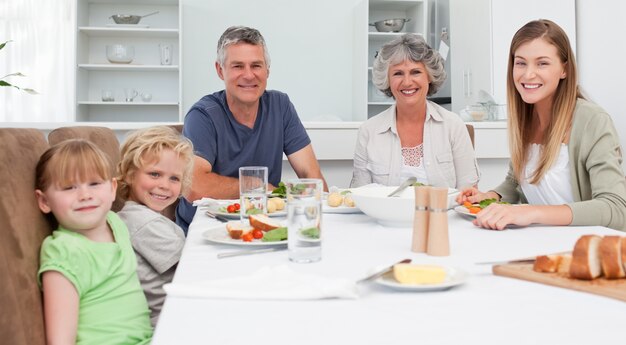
(555, 187)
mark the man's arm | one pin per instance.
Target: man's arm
(305, 164)
(206, 183)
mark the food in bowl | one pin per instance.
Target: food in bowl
(396, 211)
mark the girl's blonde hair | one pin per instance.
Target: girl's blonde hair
(521, 113)
(144, 146)
(71, 161)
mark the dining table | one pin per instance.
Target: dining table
(482, 309)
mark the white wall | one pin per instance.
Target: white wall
(310, 44)
(601, 28)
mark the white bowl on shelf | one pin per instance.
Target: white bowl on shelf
(120, 53)
(391, 211)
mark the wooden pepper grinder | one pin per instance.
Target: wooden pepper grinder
(420, 219)
(438, 241)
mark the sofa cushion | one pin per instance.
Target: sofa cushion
(22, 230)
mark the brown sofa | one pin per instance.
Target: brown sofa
(22, 229)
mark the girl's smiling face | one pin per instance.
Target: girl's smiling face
(537, 71)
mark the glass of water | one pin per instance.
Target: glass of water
(252, 191)
(304, 220)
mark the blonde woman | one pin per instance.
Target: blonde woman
(565, 152)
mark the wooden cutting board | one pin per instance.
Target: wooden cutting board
(613, 288)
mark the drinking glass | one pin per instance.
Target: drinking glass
(304, 220)
(252, 191)
(165, 51)
(108, 95)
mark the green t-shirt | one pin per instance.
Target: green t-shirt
(113, 308)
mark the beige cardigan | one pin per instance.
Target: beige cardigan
(449, 158)
(597, 178)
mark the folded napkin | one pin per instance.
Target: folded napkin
(268, 283)
(205, 202)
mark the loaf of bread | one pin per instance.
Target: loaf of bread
(586, 263)
(547, 263)
(263, 222)
(611, 257)
(237, 229)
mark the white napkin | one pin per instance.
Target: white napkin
(205, 202)
(268, 283)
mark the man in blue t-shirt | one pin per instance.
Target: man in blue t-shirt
(243, 125)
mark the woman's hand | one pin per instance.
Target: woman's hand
(498, 216)
(473, 195)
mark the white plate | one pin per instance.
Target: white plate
(454, 277)
(339, 209)
(215, 209)
(464, 211)
(219, 234)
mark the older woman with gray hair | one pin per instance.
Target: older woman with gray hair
(414, 137)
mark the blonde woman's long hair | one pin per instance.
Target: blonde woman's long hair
(521, 113)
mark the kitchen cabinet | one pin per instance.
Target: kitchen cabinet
(480, 37)
(417, 12)
(158, 86)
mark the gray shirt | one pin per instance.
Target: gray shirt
(449, 158)
(158, 243)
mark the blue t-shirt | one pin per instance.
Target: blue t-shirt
(228, 145)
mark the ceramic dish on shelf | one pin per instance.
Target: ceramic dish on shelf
(454, 277)
(218, 234)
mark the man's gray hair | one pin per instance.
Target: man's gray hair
(239, 34)
(408, 47)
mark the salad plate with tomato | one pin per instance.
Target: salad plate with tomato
(230, 210)
(219, 234)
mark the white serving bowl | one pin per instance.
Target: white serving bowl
(391, 211)
(120, 53)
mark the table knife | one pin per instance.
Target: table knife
(251, 252)
(382, 272)
(526, 260)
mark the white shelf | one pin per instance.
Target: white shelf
(95, 30)
(393, 5)
(129, 103)
(129, 67)
(98, 31)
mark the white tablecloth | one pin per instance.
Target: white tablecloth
(487, 309)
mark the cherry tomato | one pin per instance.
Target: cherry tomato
(231, 209)
(237, 206)
(257, 234)
(247, 237)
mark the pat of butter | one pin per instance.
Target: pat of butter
(418, 274)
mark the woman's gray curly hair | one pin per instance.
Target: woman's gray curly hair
(411, 47)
